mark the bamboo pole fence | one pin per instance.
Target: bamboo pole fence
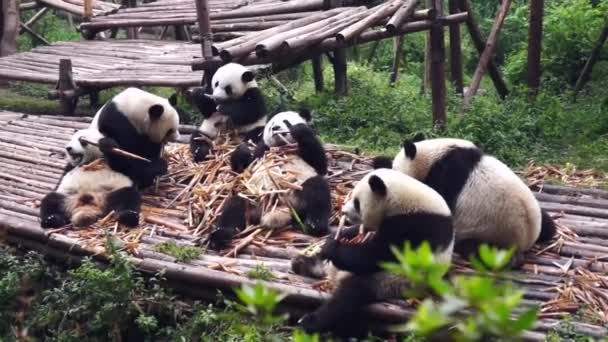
(565, 276)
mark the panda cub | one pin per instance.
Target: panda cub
(398, 209)
(309, 165)
(141, 123)
(235, 97)
(89, 189)
(490, 203)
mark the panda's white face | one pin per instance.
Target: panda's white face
(79, 151)
(386, 192)
(150, 114)
(231, 81)
(276, 131)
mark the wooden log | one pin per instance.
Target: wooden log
(570, 191)
(352, 31)
(271, 43)
(479, 42)
(593, 58)
(438, 91)
(581, 201)
(34, 18)
(33, 33)
(317, 71)
(340, 75)
(401, 15)
(535, 36)
(487, 54)
(397, 49)
(455, 51)
(66, 83)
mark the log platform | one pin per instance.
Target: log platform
(104, 64)
(75, 7)
(563, 277)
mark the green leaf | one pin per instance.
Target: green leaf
(526, 320)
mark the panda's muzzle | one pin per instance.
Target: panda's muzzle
(75, 156)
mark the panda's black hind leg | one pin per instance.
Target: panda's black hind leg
(342, 315)
(231, 221)
(126, 204)
(240, 158)
(314, 202)
(52, 211)
(468, 248)
(200, 146)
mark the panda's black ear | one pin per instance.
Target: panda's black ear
(247, 76)
(382, 162)
(377, 185)
(156, 111)
(305, 114)
(419, 137)
(173, 99)
(409, 148)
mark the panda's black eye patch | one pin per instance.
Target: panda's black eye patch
(357, 205)
(276, 128)
(217, 83)
(228, 89)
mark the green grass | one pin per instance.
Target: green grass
(261, 272)
(179, 252)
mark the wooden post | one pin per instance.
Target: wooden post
(437, 70)
(317, 71)
(487, 53)
(397, 50)
(131, 31)
(66, 87)
(341, 85)
(206, 37)
(34, 19)
(426, 80)
(180, 32)
(455, 50)
(339, 61)
(88, 9)
(595, 54)
(10, 27)
(535, 36)
(94, 98)
(478, 41)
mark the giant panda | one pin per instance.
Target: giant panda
(399, 209)
(308, 166)
(89, 188)
(141, 123)
(490, 203)
(236, 99)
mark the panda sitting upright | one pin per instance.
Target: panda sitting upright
(140, 123)
(399, 209)
(235, 98)
(89, 188)
(308, 167)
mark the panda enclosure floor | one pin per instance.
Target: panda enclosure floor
(563, 277)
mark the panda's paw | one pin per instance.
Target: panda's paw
(311, 323)
(129, 218)
(200, 153)
(53, 221)
(308, 266)
(220, 238)
(329, 249)
(106, 145)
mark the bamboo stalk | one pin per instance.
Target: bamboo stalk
(118, 151)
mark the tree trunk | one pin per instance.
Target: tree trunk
(10, 27)
(535, 35)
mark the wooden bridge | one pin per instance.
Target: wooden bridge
(568, 275)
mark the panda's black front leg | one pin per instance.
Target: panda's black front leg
(314, 203)
(241, 158)
(126, 203)
(360, 258)
(343, 313)
(310, 148)
(52, 211)
(200, 146)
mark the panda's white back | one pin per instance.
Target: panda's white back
(292, 169)
(97, 179)
(494, 204)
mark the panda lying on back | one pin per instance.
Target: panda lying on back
(490, 203)
(236, 98)
(309, 166)
(89, 189)
(138, 122)
(398, 209)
